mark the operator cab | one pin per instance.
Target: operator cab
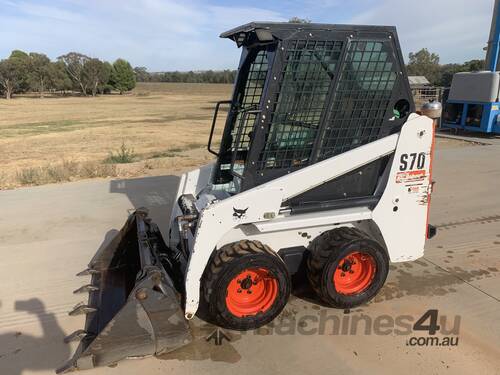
(305, 93)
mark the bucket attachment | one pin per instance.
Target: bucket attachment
(134, 308)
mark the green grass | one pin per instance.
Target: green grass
(40, 128)
(63, 172)
(171, 118)
(164, 154)
(123, 155)
(37, 128)
(192, 146)
(173, 152)
(30, 176)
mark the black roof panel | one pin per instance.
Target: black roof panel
(281, 30)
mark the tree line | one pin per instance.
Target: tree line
(207, 76)
(74, 72)
(425, 63)
(421, 63)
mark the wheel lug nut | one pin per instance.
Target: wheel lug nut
(342, 274)
(249, 291)
(239, 290)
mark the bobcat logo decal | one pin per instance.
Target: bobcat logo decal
(239, 214)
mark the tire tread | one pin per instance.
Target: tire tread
(320, 251)
(224, 256)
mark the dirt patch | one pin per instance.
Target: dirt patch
(209, 342)
(447, 143)
(436, 283)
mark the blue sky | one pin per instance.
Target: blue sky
(183, 35)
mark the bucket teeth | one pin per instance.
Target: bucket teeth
(75, 336)
(81, 308)
(86, 289)
(86, 272)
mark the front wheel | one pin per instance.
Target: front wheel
(245, 286)
(346, 268)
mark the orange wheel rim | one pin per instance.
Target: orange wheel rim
(354, 273)
(251, 292)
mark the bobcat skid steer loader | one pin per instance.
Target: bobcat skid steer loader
(323, 167)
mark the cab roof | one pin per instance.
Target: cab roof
(269, 31)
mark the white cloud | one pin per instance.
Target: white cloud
(158, 34)
(456, 29)
(235, 16)
(183, 35)
(44, 11)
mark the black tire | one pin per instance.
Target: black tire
(328, 250)
(230, 261)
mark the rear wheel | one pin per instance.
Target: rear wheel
(346, 268)
(245, 286)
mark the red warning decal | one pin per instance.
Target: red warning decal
(410, 176)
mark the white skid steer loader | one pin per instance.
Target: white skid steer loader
(323, 167)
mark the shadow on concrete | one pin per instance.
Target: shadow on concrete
(204, 346)
(156, 193)
(20, 352)
(424, 279)
(418, 278)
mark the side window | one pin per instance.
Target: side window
(362, 98)
(298, 106)
(249, 100)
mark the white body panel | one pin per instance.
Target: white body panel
(261, 216)
(401, 214)
(289, 222)
(297, 230)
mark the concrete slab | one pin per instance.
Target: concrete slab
(471, 137)
(49, 233)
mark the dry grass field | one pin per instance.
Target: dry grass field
(164, 128)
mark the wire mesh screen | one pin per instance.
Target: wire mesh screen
(299, 103)
(361, 99)
(250, 100)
